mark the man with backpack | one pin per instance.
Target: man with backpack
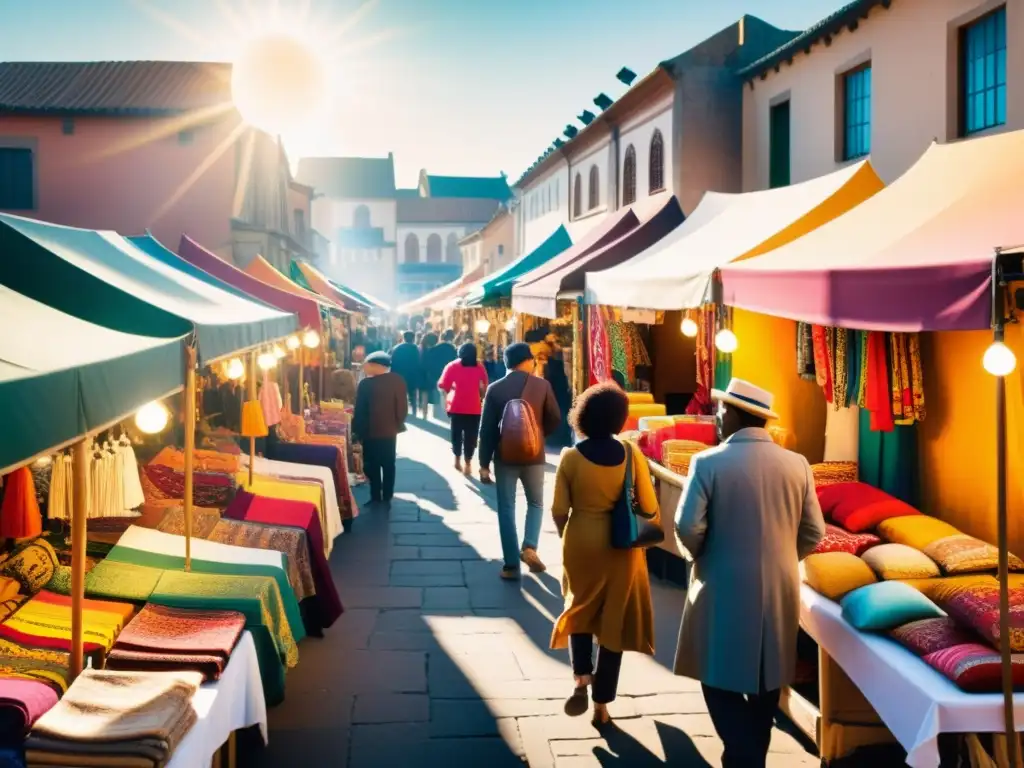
(520, 410)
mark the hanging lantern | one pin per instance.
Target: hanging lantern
(266, 361)
(726, 341)
(152, 418)
(999, 359)
(236, 369)
(483, 325)
(279, 353)
(293, 342)
(510, 324)
(311, 339)
(688, 327)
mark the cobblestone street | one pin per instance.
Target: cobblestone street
(437, 661)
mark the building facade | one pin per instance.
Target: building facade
(138, 145)
(675, 132)
(490, 246)
(882, 78)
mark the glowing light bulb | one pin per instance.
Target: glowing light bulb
(510, 324)
(236, 369)
(482, 325)
(293, 342)
(151, 418)
(279, 353)
(726, 341)
(688, 327)
(465, 327)
(266, 361)
(999, 359)
(311, 339)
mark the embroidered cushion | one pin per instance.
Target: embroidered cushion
(834, 574)
(917, 531)
(838, 540)
(929, 635)
(886, 605)
(977, 606)
(975, 668)
(937, 589)
(860, 507)
(898, 561)
(832, 472)
(32, 565)
(961, 553)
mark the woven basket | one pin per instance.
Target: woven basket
(833, 472)
(676, 454)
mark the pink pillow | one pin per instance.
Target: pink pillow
(860, 507)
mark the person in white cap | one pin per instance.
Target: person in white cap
(749, 514)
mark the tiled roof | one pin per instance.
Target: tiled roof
(114, 87)
(360, 178)
(445, 210)
(847, 16)
(495, 188)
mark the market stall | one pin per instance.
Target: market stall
(922, 255)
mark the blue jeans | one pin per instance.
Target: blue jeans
(505, 478)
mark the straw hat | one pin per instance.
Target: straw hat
(745, 396)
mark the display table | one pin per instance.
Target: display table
(914, 701)
(323, 475)
(668, 560)
(230, 704)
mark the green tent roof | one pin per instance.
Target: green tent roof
(61, 377)
(102, 278)
(499, 285)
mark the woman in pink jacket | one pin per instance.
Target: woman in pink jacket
(465, 382)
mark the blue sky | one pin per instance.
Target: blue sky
(456, 86)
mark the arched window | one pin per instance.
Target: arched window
(629, 177)
(361, 217)
(577, 196)
(594, 190)
(434, 249)
(451, 250)
(656, 174)
(412, 249)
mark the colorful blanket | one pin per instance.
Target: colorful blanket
(328, 456)
(22, 702)
(208, 489)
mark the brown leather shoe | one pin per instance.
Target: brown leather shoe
(509, 574)
(532, 561)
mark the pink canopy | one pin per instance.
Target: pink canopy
(916, 256)
(307, 309)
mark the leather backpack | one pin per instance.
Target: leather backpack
(520, 439)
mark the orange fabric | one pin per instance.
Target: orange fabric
(261, 269)
(19, 516)
(205, 461)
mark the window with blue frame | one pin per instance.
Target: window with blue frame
(857, 113)
(983, 73)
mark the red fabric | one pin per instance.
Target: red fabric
(976, 668)
(706, 433)
(462, 384)
(877, 394)
(931, 635)
(19, 515)
(600, 355)
(977, 606)
(838, 540)
(859, 507)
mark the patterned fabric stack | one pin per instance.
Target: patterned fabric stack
(116, 718)
(161, 639)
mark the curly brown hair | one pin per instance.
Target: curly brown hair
(601, 411)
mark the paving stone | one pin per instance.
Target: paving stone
(670, 704)
(403, 641)
(382, 597)
(449, 553)
(392, 708)
(436, 528)
(428, 539)
(461, 717)
(449, 597)
(409, 619)
(379, 672)
(426, 568)
(426, 580)
(386, 746)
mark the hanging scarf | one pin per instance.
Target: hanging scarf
(853, 357)
(916, 376)
(700, 403)
(877, 394)
(899, 377)
(805, 352)
(862, 371)
(600, 365)
(840, 372)
(617, 351)
(822, 368)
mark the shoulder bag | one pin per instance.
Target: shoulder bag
(631, 527)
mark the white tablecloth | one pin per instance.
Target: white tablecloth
(323, 475)
(232, 703)
(914, 701)
(158, 542)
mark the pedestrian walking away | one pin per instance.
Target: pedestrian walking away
(434, 362)
(748, 515)
(607, 591)
(519, 412)
(377, 420)
(406, 362)
(464, 382)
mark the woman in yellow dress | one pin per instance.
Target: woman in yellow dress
(607, 591)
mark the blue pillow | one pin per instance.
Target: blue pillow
(887, 605)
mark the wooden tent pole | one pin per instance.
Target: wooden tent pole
(252, 397)
(302, 377)
(1004, 580)
(79, 512)
(190, 446)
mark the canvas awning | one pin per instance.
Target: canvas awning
(634, 231)
(61, 377)
(308, 311)
(308, 276)
(102, 278)
(263, 270)
(438, 297)
(917, 256)
(677, 273)
(499, 284)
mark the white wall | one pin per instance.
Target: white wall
(543, 206)
(599, 156)
(638, 133)
(330, 215)
(472, 255)
(422, 232)
(914, 56)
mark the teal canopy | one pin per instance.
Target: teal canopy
(102, 278)
(61, 377)
(499, 285)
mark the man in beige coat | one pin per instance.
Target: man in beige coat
(749, 514)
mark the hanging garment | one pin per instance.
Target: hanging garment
(852, 368)
(862, 369)
(58, 505)
(805, 352)
(840, 371)
(600, 364)
(270, 399)
(19, 515)
(822, 366)
(133, 496)
(701, 403)
(877, 395)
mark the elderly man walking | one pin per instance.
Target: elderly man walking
(748, 516)
(377, 420)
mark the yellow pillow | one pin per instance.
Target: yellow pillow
(938, 589)
(8, 588)
(893, 562)
(833, 574)
(639, 397)
(917, 531)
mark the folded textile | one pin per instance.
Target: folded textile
(95, 651)
(330, 456)
(203, 460)
(122, 581)
(54, 674)
(51, 619)
(209, 666)
(336, 496)
(22, 702)
(209, 489)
